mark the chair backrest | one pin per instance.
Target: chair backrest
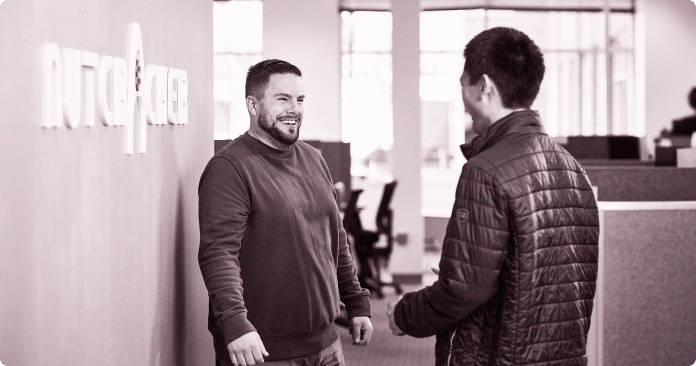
(384, 212)
(351, 218)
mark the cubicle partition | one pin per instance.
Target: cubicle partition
(645, 305)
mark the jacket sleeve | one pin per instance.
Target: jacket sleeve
(223, 209)
(473, 253)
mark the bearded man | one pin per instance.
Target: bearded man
(273, 251)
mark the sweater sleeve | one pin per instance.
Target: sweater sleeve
(223, 209)
(473, 254)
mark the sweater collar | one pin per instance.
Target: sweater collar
(514, 124)
(270, 150)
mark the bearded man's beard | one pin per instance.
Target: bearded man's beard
(271, 127)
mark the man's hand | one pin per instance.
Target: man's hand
(392, 323)
(361, 330)
(247, 350)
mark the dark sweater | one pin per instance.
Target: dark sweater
(273, 250)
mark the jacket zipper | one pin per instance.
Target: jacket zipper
(451, 346)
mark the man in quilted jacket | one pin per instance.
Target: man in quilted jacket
(518, 269)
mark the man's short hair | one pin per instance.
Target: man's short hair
(692, 98)
(511, 59)
(259, 74)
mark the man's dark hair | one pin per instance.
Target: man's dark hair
(258, 75)
(692, 98)
(511, 60)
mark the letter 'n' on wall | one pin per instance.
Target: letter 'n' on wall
(52, 86)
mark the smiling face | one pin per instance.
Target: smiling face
(280, 111)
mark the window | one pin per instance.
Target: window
(366, 89)
(237, 43)
(588, 88)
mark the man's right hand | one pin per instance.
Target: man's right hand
(247, 350)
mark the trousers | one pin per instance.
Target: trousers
(329, 356)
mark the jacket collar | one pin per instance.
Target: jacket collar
(516, 123)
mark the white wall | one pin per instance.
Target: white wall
(98, 248)
(307, 33)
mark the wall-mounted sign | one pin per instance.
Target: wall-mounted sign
(113, 85)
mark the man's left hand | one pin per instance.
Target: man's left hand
(392, 323)
(361, 330)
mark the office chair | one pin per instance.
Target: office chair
(371, 257)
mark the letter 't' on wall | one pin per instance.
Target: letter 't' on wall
(90, 62)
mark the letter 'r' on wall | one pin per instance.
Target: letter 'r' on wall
(182, 97)
(172, 104)
(52, 86)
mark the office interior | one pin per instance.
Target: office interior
(98, 221)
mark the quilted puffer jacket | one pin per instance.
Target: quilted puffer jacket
(519, 259)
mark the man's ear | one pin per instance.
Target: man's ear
(252, 105)
(487, 85)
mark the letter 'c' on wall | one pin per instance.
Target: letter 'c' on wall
(105, 112)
